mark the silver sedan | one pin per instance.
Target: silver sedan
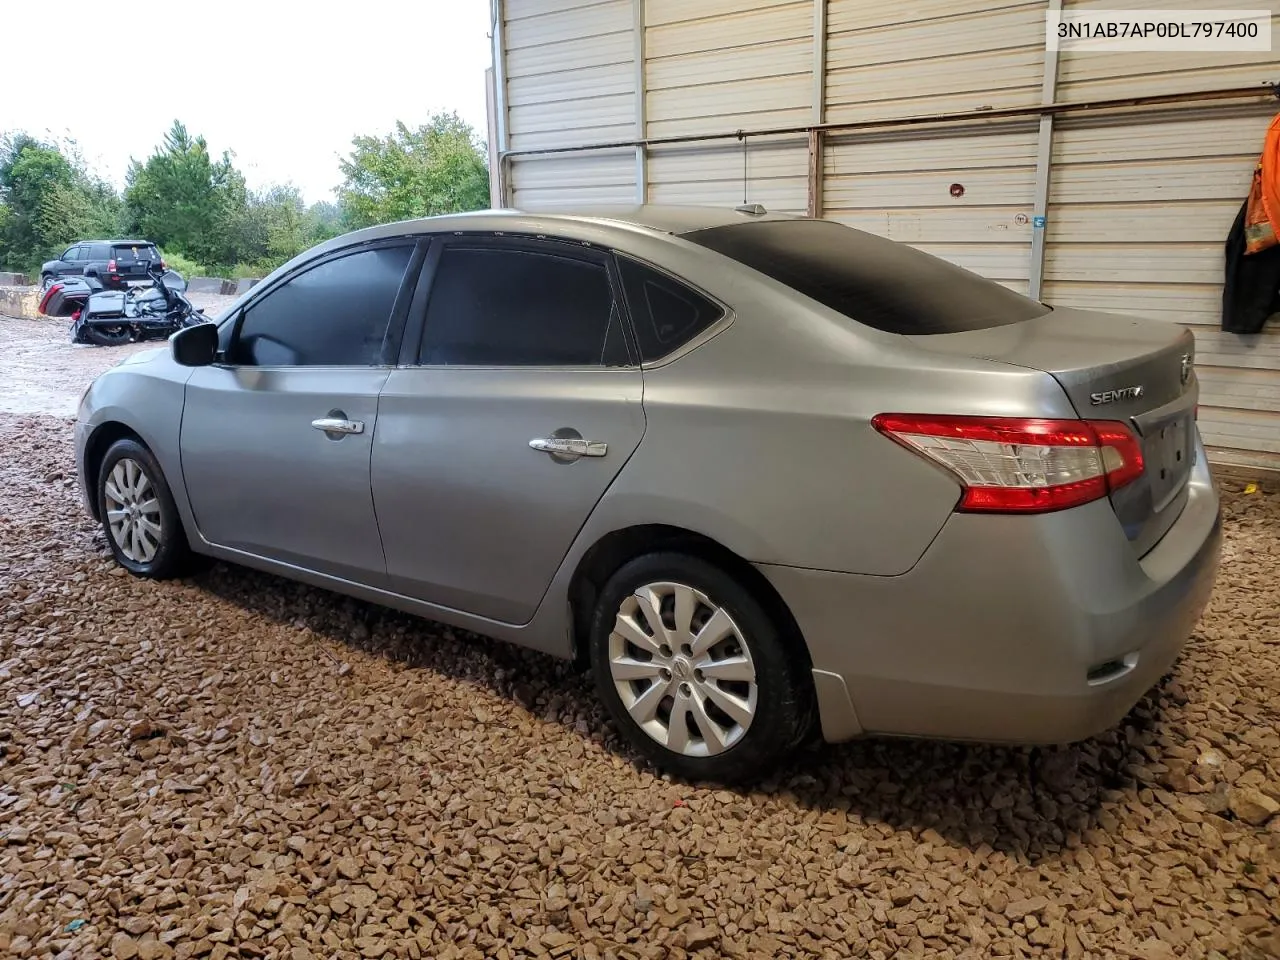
(769, 475)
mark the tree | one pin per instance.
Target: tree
(184, 198)
(324, 221)
(29, 172)
(49, 200)
(438, 168)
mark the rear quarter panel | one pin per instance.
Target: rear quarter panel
(761, 437)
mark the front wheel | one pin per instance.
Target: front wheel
(46, 281)
(695, 672)
(107, 336)
(138, 514)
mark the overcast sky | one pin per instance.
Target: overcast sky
(284, 85)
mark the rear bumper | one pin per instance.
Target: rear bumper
(1043, 629)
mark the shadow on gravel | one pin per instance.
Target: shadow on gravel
(1030, 803)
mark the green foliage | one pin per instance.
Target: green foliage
(201, 213)
(188, 268)
(48, 199)
(438, 168)
(181, 197)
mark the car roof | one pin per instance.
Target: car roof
(118, 243)
(662, 218)
(666, 218)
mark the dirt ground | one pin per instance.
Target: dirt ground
(234, 765)
(43, 372)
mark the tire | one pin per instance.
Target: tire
(46, 281)
(114, 336)
(155, 555)
(712, 744)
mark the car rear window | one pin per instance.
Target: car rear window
(881, 283)
(127, 252)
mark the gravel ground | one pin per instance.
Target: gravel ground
(234, 765)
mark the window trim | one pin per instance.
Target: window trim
(391, 340)
(532, 243)
(709, 332)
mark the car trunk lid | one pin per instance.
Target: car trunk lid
(1112, 367)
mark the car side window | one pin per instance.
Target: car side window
(666, 314)
(72, 255)
(334, 314)
(514, 306)
(100, 251)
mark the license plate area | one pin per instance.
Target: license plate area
(1169, 451)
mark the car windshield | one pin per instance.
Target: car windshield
(878, 282)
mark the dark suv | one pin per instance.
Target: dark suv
(114, 262)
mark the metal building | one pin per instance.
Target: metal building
(1095, 180)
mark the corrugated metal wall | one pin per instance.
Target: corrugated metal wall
(728, 65)
(1137, 208)
(894, 59)
(570, 78)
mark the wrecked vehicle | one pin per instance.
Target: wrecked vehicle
(113, 317)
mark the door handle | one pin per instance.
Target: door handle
(569, 446)
(337, 425)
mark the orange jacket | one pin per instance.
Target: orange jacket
(1262, 221)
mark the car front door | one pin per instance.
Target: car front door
(71, 264)
(276, 438)
(518, 403)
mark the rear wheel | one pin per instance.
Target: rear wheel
(138, 513)
(694, 671)
(107, 336)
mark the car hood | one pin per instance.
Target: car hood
(142, 356)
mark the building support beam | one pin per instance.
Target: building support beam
(814, 206)
(817, 140)
(1044, 165)
(637, 53)
(499, 172)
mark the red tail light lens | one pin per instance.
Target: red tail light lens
(48, 295)
(162, 265)
(1012, 465)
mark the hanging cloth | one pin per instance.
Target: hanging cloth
(1251, 291)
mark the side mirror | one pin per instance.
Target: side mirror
(195, 346)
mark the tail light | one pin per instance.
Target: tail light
(163, 266)
(1012, 465)
(48, 295)
(111, 266)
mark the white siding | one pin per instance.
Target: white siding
(573, 179)
(1083, 76)
(570, 80)
(1139, 212)
(890, 58)
(722, 66)
(899, 186)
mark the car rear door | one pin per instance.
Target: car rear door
(517, 402)
(96, 257)
(276, 439)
